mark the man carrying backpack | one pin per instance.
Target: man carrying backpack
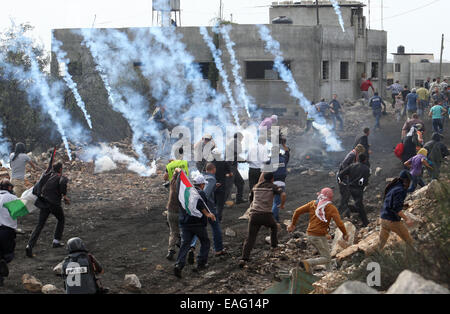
(79, 270)
(49, 202)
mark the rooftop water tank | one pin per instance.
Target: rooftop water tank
(401, 50)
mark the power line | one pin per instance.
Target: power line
(409, 11)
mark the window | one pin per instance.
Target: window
(325, 70)
(375, 72)
(398, 67)
(137, 63)
(262, 70)
(344, 70)
(419, 82)
(203, 67)
(74, 68)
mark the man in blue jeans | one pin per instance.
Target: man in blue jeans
(215, 225)
(194, 226)
(375, 102)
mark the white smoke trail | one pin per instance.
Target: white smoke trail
(47, 95)
(202, 101)
(216, 53)
(243, 95)
(273, 46)
(132, 109)
(4, 145)
(103, 155)
(337, 9)
(61, 56)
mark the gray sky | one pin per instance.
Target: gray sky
(416, 24)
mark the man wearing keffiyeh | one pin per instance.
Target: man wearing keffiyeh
(320, 211)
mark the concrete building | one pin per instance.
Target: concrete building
(323, 59)
(412, 69)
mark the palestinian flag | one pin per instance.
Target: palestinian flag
(188, 196)
(21, 206)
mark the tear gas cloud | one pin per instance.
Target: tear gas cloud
(337, 9)
(216, 53)
(48, 95)
(273, 46)
(244, 98)
(105, 158)
(61, 56)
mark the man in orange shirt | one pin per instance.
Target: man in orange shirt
(320, 211)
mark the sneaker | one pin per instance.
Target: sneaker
(56, 245)
(29, 251)
(170, 255)
(4, 271)
(177, 271)
(191, 257)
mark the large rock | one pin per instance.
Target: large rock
(58, 269)
(50, 289)
(132, 283)
(411, 283)
(31, 284)
(354, 287)
(328, 283)
(339, 244)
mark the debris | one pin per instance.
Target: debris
(132, 283)
(354, 287)
(339, 243)
(159, 267)
(230, 232)
(50, 289)
(31, 284)
(378, 170)
(411, 283)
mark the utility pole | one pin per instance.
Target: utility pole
(369, 14)
(220, 10)
(382, 27)
(317, 9)
(440, 59)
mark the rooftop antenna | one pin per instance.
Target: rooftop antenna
(95, 17)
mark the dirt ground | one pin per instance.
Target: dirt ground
(120, 217)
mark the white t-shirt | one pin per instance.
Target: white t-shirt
(18, 166)
(5, 217)
(258, 155)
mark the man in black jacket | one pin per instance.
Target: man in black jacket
(358, 178)
(49, 202)
(364, 141)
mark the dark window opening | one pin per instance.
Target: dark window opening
(203, 67)
(74, 68)
(375, 68)
(419, 82)
(344, 71)
(397, 67)
(137, 63)
(325, 70)
(263, 70)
